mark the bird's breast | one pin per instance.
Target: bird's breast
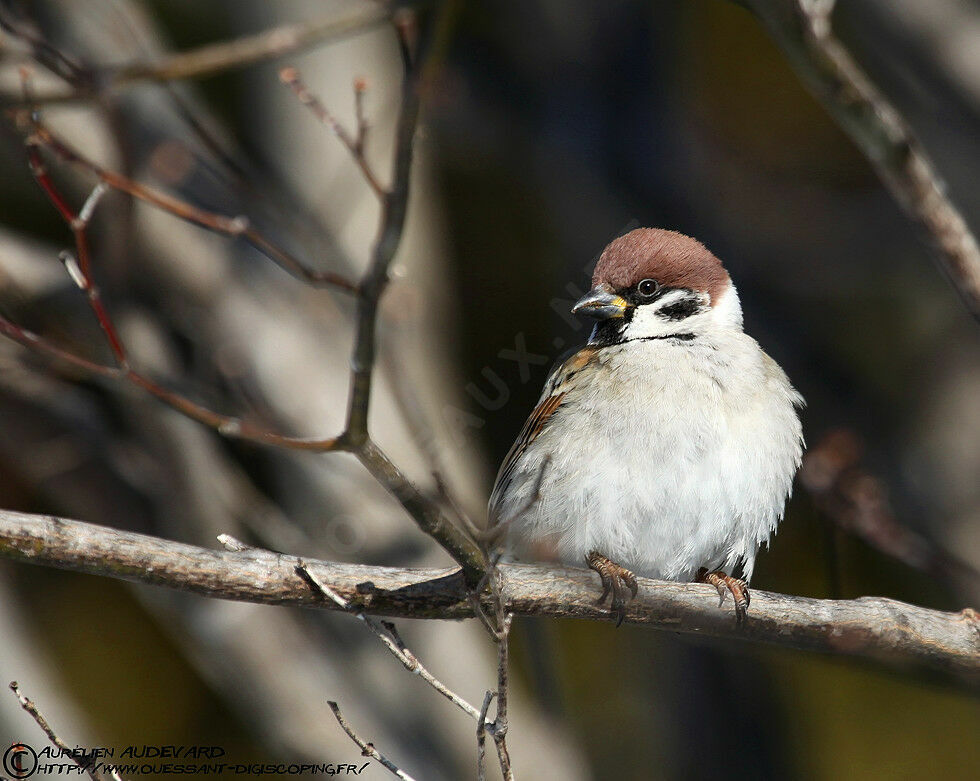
(662, 455)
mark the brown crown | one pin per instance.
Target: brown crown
(671, 258)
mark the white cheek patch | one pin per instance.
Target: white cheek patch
(676, 312)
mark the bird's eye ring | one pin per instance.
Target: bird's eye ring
(648, 288)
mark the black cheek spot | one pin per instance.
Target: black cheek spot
(681, 309)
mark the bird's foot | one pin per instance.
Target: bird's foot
(725, 583)
(615, 579)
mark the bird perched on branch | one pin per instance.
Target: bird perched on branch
(668, 444)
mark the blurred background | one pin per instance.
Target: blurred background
(549, 128)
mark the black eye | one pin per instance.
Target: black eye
(648, 288)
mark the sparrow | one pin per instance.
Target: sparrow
(668, 444)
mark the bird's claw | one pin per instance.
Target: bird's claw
(615, 579)
(725, 583)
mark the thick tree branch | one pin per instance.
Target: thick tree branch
(802, 29)
(872, 628)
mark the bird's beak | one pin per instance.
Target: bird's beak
(601, 303)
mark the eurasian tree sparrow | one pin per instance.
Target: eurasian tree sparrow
(668, 444)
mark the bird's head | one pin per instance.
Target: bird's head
(658, 284)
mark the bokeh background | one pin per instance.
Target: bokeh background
(549, 128)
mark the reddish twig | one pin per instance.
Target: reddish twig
(236, 227)
(79, 269)
(226, 425)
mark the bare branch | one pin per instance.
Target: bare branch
(427, 514)
(393, 210)
(266, 45)
(31, 708)
(355, 438)
(394, 207)
(367, 749)
(207, 60)
(802, 28)
(871, 628)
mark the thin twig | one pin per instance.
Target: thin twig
(79, 268)
(268, 44)
(367, 749)
(210, 59)
(42, 722)
(236, 227)
(389, 636)
(500, 723)
(45, 52)
(802, 28)
(360, 138)
(481, 738)
(448, 498)
(375, 281)
(394, 206)
(502, 637)
(227, 425)
(354, 144)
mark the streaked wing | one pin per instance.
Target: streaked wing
(554, 392)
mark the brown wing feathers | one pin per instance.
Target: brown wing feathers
(531, 429)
